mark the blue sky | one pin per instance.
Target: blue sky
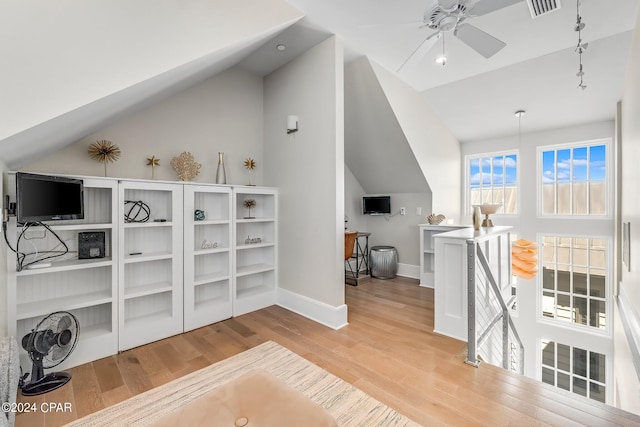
(588, 163)
(504, 171)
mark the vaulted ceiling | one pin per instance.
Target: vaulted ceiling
(69, 70)
(476, 97)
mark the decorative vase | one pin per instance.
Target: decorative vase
(477, 218)
(221, 175)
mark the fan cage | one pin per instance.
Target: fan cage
(56, 354)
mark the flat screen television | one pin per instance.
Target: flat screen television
(48, 198)
(376, 205)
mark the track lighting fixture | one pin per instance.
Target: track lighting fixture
(580, 47)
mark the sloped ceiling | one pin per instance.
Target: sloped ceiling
(483, 106)
(387, 32)
(435, 148)
(376, 149)
(394, 143)
(73, 67)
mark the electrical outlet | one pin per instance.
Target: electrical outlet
(403, 211)
(418, 211)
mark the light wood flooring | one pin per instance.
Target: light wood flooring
(388, 350)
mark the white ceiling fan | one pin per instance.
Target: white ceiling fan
(452, 16)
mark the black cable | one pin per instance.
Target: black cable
(22, 255)
(4, 231)
(61, 253)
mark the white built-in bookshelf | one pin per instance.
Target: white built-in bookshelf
(85, 287)
(150, 260)
(427, 250)
(169, 274)
(256, 253)
(207, 255)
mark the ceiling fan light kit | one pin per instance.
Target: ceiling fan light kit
(453, 16)
(442, 59)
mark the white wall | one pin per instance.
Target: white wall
(401, 231)
(627, 383)
(435, 148)
(353, 193)
(398, 231)
(376, 148)
(388, 130)
(63, 57)
(308, 167)
(528, 225)
(223, 113)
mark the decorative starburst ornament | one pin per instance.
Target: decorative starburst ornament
(249, 204)
(250, 164)
(104, 151)
(153, 162)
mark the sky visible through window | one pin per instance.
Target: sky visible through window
(589, 163)
(503, 173)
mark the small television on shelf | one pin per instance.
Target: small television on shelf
(376, 205)
(48, 198)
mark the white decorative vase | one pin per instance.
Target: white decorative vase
(221, 175)
(477, 218)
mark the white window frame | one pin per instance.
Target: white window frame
(608, 178)
(607, 370)
(607, 331)
(467, 179)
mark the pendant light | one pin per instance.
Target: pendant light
(519, 115)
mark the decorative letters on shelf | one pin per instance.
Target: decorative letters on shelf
(208, 245)
(250, 241)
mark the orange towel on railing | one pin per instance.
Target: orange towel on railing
(524, 259)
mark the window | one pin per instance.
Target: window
(574, 285)
(492, 179)
(574, 369)
(574, 180)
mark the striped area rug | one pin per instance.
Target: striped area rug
(348, 405)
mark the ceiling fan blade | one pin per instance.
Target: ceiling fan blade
(416, 24)
(483, 7)
(483, 43)
(418, 54)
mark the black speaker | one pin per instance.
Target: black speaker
(91, 244)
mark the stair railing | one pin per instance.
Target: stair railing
(487, 308)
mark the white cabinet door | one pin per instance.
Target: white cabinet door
(87, 288)
(208, 254)
(255, 234)
(150, 262)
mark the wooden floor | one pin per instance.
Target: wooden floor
(388, 350)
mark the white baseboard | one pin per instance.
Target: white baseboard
(328, 315)
(450, 335)
(408, 270)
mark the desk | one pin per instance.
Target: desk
(362, 253)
